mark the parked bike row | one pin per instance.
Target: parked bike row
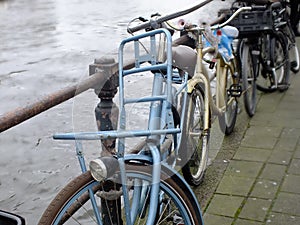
(197, 78)
(267, 49)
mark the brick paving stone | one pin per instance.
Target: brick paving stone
(269, 103)
(255, 209)
(282, 219)
(262, 119)
(224, 205)
(288, 203)
(252, 154)
(268, 131)
(291, 132)
(243, 168)
(286, 144)
(287, 122)
(280, 157)
(295, 167)
(286, 116)
(235, 185)
(273, 172)
(259, 142)
(291, 184)
(290, 105)
(265, 189)
(210, 219)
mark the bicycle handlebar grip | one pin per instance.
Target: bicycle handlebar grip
(139, 27)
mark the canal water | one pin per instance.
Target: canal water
(46, 45)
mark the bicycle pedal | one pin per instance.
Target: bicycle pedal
(235, 90)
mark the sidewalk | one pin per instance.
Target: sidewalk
(261, 182)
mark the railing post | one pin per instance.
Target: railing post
(106, 114)
(107, 111)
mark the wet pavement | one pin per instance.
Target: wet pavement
(257, 181)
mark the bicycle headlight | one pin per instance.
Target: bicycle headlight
(98, 169)
(103, 167)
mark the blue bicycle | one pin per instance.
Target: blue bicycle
(140, 187)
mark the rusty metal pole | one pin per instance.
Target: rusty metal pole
(106, 114)
(19, 115)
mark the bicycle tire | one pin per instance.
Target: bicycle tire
(194, 149)
(295, 63)
(228, 119)
(292, 45)
(75, 195)
(279, 57)
(248, 74)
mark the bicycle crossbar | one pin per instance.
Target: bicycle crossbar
(114, 134)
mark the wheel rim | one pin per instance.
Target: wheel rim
(170, 209)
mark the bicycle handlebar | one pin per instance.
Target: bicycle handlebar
(155, 23)
(245, 8)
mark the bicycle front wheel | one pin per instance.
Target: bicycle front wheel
(73, 204)
(249, 66)
(194, 147)
(228, 119)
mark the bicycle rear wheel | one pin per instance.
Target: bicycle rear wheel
(194, 146)
(278, 72)
(73, 206)
(249, 66)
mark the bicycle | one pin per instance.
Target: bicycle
(151, 190)
(222, 104)
(141, 186)
(263, 46)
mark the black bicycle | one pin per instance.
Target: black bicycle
(263, 49)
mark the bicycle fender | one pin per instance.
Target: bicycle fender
(192, 83)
